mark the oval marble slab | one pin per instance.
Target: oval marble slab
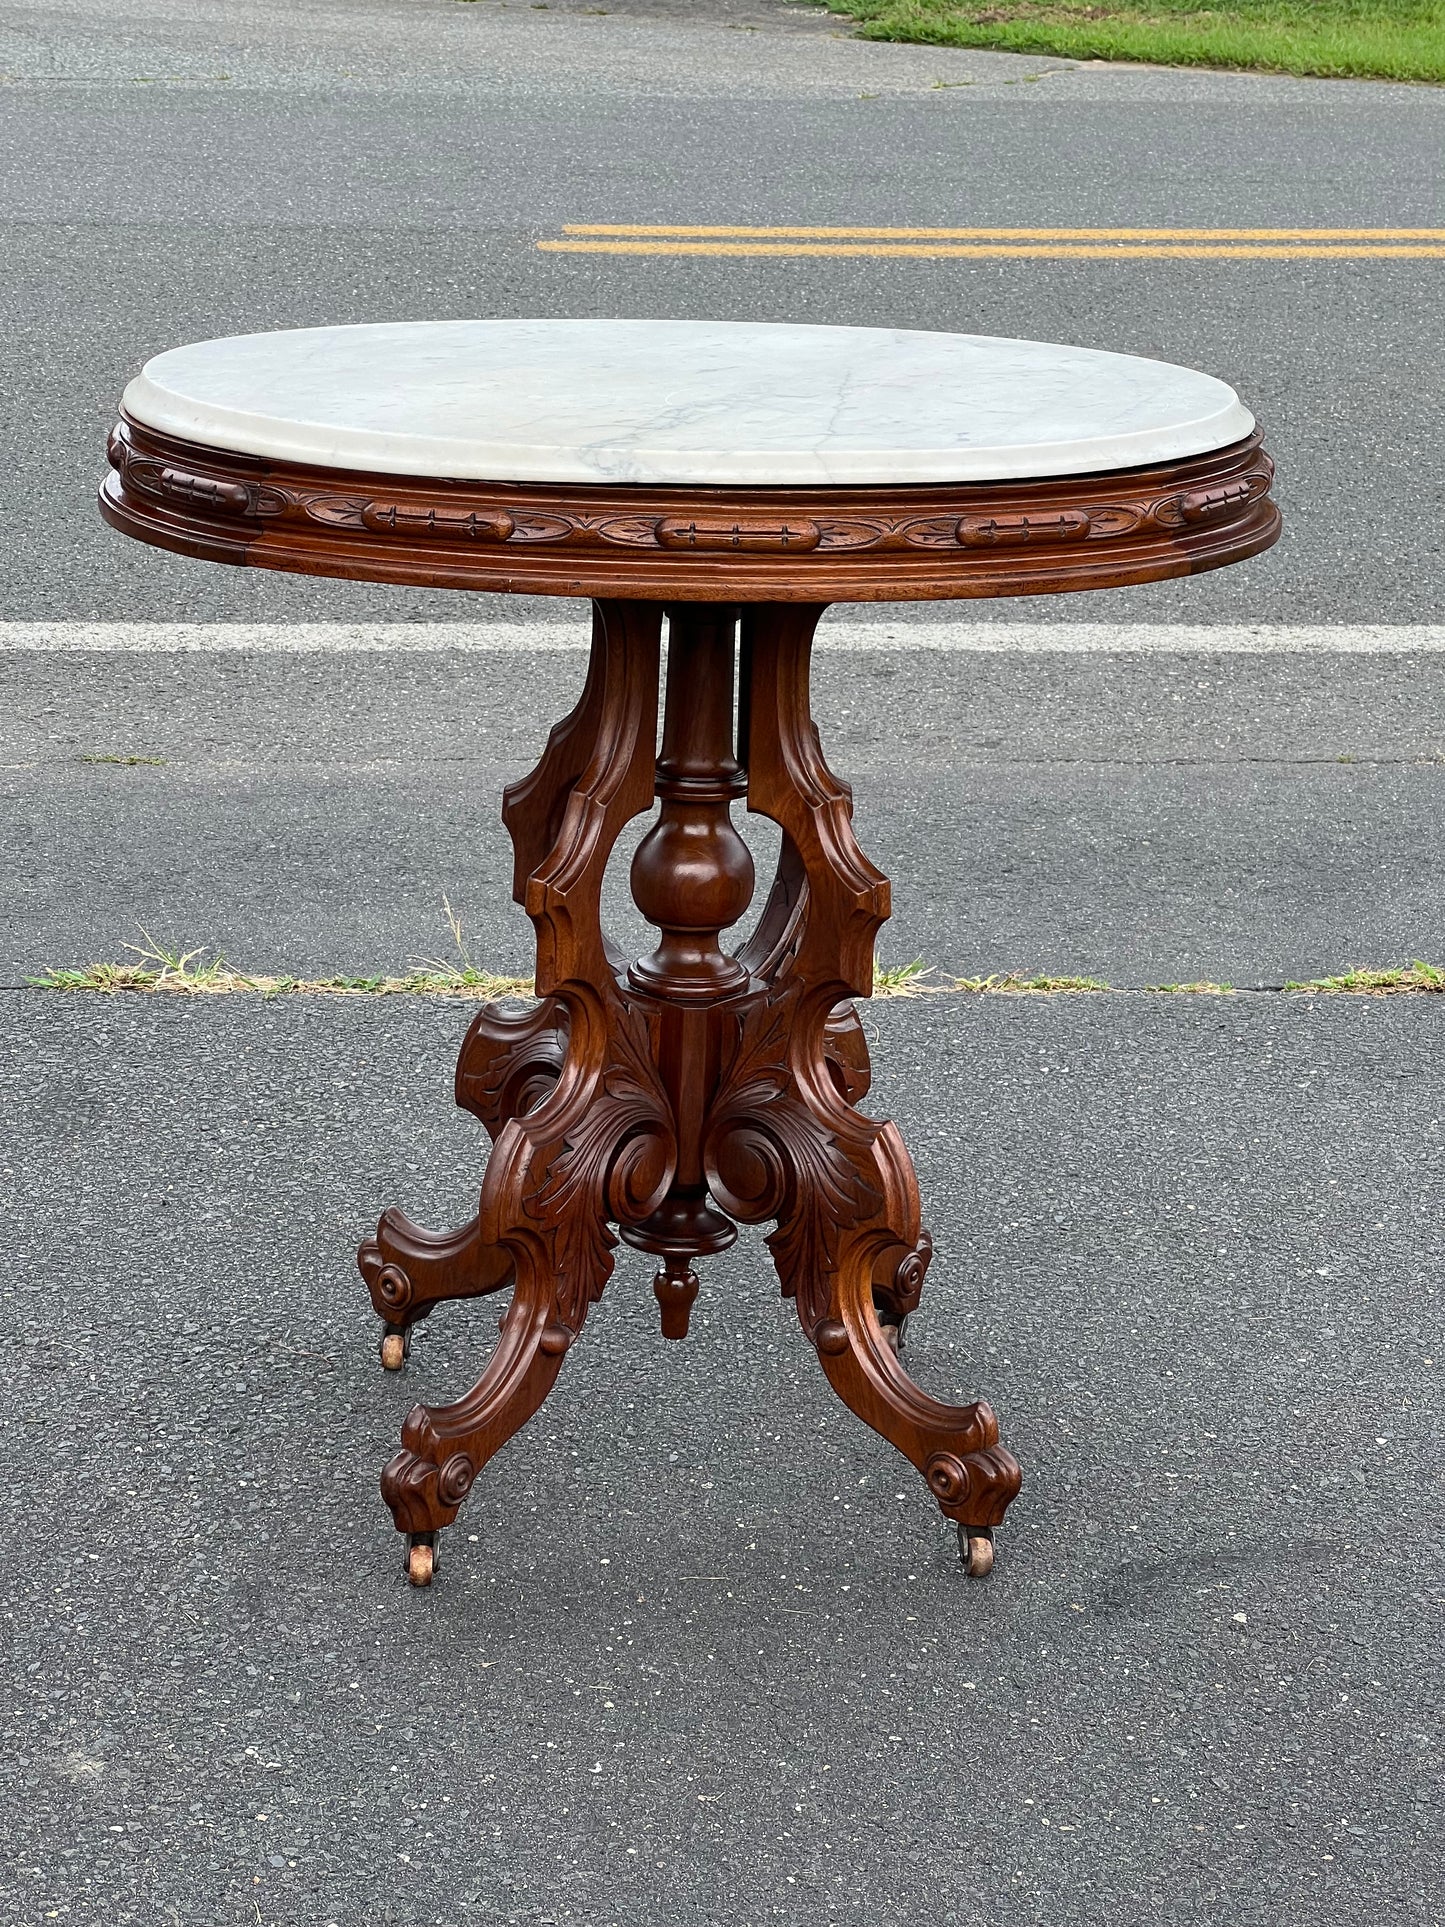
(687, 402)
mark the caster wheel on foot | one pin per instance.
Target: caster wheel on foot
(393, 1351)
(421, 1563)
(893, 1333)
(975, 1545)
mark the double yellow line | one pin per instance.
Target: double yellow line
(1013, 243)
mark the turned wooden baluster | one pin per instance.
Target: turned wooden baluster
(692, 877)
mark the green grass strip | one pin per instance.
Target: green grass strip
(1337, 39)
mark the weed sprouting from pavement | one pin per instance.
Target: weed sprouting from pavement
(1017, 983)
(464, 975)
(905, 980)
(181, 971)
(1202, 989)
(1417, 976)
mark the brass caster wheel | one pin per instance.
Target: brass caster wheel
(975, 1546)
(421, 1562)
(893, 1332)
(393, 1351)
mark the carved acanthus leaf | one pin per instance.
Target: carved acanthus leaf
(769, 1155)
(509, 1060)
(617, 1158)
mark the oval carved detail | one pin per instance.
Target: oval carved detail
(425, 518)
(675, 532)
(1009, 531)
(1204, 504)
(234, 498)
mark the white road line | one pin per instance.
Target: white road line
(894, 634)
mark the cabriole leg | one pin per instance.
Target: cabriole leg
(785, 1140)
(582, 1128)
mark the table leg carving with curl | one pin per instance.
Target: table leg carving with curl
(785, 1139)
(583, 1130)
(408, 1270)
(509, 1062)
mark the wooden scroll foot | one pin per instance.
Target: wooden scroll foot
(408, 1270)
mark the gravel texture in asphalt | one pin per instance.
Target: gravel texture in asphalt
(701, 1649)
(1147, 819)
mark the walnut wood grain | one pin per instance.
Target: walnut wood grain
(696, 544)
(669, 1101)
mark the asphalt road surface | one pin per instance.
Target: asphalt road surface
(699, 1654)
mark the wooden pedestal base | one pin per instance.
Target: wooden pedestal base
(693, 1089)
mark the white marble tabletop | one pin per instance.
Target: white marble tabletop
(699, 402)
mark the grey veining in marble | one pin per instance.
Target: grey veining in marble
(686, 402)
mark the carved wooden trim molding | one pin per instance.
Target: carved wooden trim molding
(885, 543)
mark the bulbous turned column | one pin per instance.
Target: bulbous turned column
(692, 875)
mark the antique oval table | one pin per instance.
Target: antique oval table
(734, 479)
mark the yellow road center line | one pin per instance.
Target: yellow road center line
(1011, 233)
(1117, 250)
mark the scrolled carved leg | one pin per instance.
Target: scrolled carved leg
(785, 1139)
(509, 1061)
(955, 1447)
(444, 1447)
(599, 1148)
(583, 1133)
(408, 1270)
(785, 1145)
(898, 1278)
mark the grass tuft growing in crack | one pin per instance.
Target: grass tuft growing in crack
(464, 976)
(105, 977)
(1016, 983)
(1202, 989)
(1416, 976)
(158, 969)
(906, 980)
